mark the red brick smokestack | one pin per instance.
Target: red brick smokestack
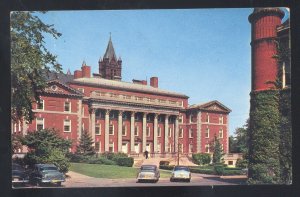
(264, 67)
(154, 82)
(77, 74)
(86, 70)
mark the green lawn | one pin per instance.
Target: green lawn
(109, 171)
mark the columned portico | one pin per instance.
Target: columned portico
(166, 132)
(106, 135)
(132, 132)
(144, 131)
(155, 133)
(120, 131)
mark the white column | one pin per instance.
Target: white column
(155, 133)
(144, 131)
(132, 132)
(79, 120)
(93, 119)
(176, 134)
(199, 123)
(120, 131)
(166, 132)
(106, 135)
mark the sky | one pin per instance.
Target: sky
(202, 53)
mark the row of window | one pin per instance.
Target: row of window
(40, 124)
(138, 98)
(67, 128)
(41, 106)
(125, 147)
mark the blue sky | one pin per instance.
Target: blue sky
(203, 53)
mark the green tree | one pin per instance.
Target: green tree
(217, 151)
(30, 60)
(232, 144)
(85, 146)
(16, 143)
(201, 158)
(46, 146)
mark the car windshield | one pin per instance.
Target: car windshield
(147, 168)
(48, 168)
(177, 168)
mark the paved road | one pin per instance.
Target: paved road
(78, 180)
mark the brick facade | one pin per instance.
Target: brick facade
(111, 111)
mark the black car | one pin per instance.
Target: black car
(46, 173)
(19, 175)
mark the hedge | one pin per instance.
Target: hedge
(124, 161)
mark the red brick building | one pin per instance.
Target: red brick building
(126, 117)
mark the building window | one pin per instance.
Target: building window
(170, 132)
(190, 133)
(136, 131)
(98, 130)
(40, 105)
(158, 132)
(221, 120)
(190, 148)
(207, 118)
(160, 119)
(230, 163)
(207, 148)
(112, 115)
(180, 133)
(67, 107)
(222, 147)
(124, 130)
(111, 129)
(67, 125)
(180, 119)
(221, 133)
(207, 133)
(111, 147)
(180, 148)
(39, 123)
(97, 147)
(137, 117)
(148, 131)
(158, 147)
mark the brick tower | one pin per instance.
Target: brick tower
(264, 22)
(110, 67)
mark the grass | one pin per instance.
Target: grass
(109, 171)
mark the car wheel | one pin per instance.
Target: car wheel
(189, 180)
(59, 184)
(171, 180)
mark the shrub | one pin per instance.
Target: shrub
(219, 169)
(100, 160)
(202, 171)
(166, 167)
(201, 158)
(164, 163)
(124, 161)
(241, 163)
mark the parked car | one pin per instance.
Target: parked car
(148, 173)
(46, 173)
(19, 175)
(181, 173)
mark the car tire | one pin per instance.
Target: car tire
(171, 180)
(59, 184)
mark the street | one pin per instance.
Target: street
(78, 180)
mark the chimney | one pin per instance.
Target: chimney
(77, 74)
(86, 71)
(142, 82)
(154, 82)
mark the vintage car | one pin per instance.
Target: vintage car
(19, 175)
(181, 173)
(148, 173)
(46, 173)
